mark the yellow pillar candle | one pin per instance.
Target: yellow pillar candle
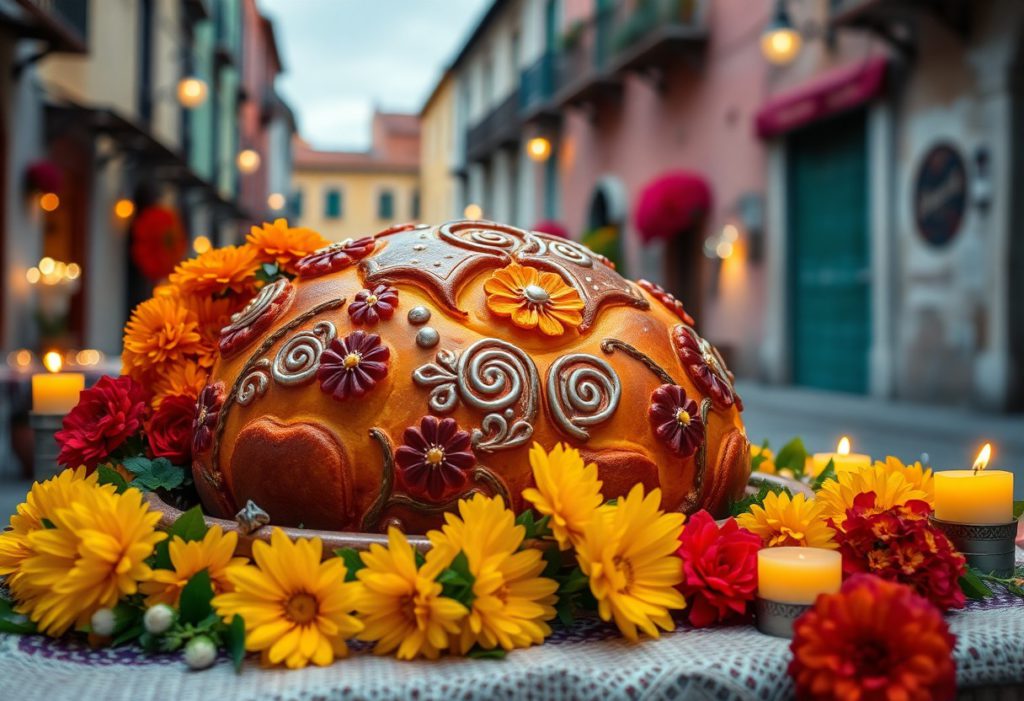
(974, 496)
(798, 575)
(843, 459)
(54, 392)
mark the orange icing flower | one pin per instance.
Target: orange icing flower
(159, 333)
(219, 270)
(532, 298)
(284, 245)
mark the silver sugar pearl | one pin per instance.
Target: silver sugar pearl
(419, 315)
(536, 294)
(427, 337)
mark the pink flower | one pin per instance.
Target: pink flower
(351, 366)
(107, 414)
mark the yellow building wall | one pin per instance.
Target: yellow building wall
(359, 201)
(437, 149)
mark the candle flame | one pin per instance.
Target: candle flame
(844, 446)
(53, 361)
(984, 455)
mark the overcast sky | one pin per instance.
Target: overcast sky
(343, 57)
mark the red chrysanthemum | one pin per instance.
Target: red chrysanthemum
(676, 420)
(436, 459)
(211, 399)
(370, 306)
(335, 257)
(169, 431)
(901, 545)
(873, 640)
(351, 366)
(719, 569)
(704, 365)
(107, 414)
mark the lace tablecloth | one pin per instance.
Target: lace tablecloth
(588, 662)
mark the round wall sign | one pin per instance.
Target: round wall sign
(940, 194)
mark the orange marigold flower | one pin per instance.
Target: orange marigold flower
(159, 333)
(873, 640)
(284, 245)
(533, 298)
(185, 378)
(218, 271)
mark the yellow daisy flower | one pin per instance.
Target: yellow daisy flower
(767, 464)
(161, 332)
(628, 552)
(219, 270)
(785, 520)
(917, 475)
(296, 608)
(93, 556)
(213, 553)
(891, 487)
(567, 490)
(534, 299)
(511, 602)
(401, 606)
(282, 244)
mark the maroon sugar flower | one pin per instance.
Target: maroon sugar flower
(211, 399)
(436, 459)
(370, 306)
(704, 365)
(107, 414)
(666, 298)
(351, 366)
(337, 256)
(676, 420)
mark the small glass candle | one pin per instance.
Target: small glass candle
(56, 393)
(798, 575)
(843, 459)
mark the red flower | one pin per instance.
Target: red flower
(704, 365)
(672, 203)
(900, 545)
(873, 640)
(107, 414)
(676, 420)
(666, 298)
(351, 366)
(158, 242)
(719, 569)
(337, 256)
(435, 460)
(370, 306)
(211, 399)
(553, 228)
(169, 432)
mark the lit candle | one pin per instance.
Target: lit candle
(843, 459)
(55, 392)
(798, 575)
(976, 496)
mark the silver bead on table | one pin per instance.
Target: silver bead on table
(419, 315)
(427, 337)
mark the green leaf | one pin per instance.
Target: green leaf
(137, 464)
(128, 635)
(612, 502)
(419, 558)
(47, 523)
(973, 585)
(353, 562)
(457, 581)
(793, 456)
(108, 475)
(553, 557)
(829, 473)
(236, 641)
(14, 622)
(190, 526)
(575, 581)
(534, 528)
(158, 474)
(478, 653)
(1018, 509)
(743, 505)
(195, 599)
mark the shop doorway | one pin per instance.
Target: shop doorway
(829, 257)
(606, 216)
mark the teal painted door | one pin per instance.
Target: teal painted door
(829, 259)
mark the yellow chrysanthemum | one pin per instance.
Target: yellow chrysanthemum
(916, 474)
(282, 244)
(296, 608)
(159, 333)
(42, 502)
(534, 299)
(511, 602)
(218, 271)
(213, 553)
(567, 490)
(628, 551)
(185, 378)
(891, 487)
(767, 463)
(784, 520)
(92, 557)
(401, 604)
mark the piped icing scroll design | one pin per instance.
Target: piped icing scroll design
(298, 359)
(254, 384)
(492, 376)
(593, 277)
(582, 390)
(269, 303)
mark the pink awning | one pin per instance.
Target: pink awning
(833, 92)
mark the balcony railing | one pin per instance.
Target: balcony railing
(63, 22)
(500, 127)
(537, 84)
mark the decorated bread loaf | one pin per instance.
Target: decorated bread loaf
(398, 373)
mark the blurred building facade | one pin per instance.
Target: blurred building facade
(438, 195)
(345, 194)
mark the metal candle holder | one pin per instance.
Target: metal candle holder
(44, 462)
(987, 547)
(775, 617)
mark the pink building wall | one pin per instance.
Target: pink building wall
(700, 120)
